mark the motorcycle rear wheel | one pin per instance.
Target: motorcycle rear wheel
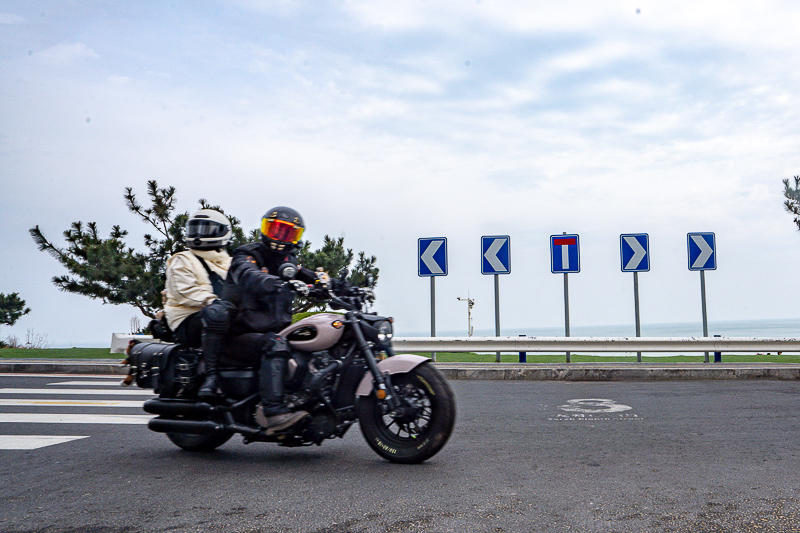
(419, 434)
(193, 442)
(199, 443)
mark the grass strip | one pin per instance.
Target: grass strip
(443, 357)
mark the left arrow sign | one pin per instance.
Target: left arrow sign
(433, 257)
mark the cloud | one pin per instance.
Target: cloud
(8, 18)
(65, 54)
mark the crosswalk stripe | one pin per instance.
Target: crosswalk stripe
(72, 403)
(99, 383)
(51, 418)
(110, 392)
(33, 442)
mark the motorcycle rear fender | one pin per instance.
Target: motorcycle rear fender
(397, 364)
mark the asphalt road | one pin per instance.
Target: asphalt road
(700, 456)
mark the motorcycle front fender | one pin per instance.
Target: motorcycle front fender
(397, 364)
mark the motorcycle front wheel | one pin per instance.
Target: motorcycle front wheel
(417, 431)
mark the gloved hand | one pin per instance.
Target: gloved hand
(323, 278)
(298, 286)
(369, 295)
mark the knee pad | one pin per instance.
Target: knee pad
(216, 317)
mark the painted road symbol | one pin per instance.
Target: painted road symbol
(702, 251)
(565, 254)
(496, 254)
(432, 253)
(634, 250)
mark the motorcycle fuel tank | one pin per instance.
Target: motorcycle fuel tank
(315, 333)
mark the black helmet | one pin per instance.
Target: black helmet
(280, 227)
(208, 230)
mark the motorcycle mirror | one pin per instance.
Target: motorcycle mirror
(287, 271)
(343, 273)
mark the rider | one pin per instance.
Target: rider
(195, 277)
(258, 288)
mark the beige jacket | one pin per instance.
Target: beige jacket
(188, 287)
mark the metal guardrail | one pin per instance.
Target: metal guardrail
(596, 344)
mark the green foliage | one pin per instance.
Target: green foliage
(109, 270)
(792, 195)
(334, 258)
(12, 307)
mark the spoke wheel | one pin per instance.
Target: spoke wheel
(420, 428)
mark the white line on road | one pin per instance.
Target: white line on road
(106, 383)
(72, 403)
(46, 418)
(111, 392)
(33, 442)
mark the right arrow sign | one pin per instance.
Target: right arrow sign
(702, 251)
(634, 252)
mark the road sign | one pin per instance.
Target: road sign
(432, 254)
(634, 252)
(565, 257)
(496, 254)
(702, 251)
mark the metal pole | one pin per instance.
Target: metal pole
(705, 315)
(636, 311)
(433, 312)
(566, 309)
(497, 311)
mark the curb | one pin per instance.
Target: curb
(491, 371)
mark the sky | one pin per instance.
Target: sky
(384, 122)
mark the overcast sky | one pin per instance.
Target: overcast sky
(386, 121)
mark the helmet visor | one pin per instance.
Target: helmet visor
(281, 230)
(205, 229)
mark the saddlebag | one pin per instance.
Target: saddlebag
(163, 367)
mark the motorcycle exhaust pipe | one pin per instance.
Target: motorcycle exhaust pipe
(196, 427)
(185, 408)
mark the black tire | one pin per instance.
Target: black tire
(418, 436)
(199, 443)
(192, 442)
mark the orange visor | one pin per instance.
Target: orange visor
(280, 230)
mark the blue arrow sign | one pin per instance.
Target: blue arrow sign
(496, 254)
(565, 257)
(702, 251)
(432, 254)
(634, 252)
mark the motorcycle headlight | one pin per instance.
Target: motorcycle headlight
(384, 330)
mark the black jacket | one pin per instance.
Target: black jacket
(262, 299)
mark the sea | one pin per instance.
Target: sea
(788, 327)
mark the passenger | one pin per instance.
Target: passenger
(195, 280)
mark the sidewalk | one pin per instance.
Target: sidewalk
(487, 371)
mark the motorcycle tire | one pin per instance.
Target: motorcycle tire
(192, 442)
(198, 443)
(419, 434)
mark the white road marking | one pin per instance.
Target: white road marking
(48, 418)
(594, 405)
(105, 383)
(73, 403)
(111, 392)
(33, 442)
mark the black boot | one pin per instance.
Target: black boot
(212, 347)
(272, 413)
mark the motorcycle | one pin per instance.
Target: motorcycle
(342, 370)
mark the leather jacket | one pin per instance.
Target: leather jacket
(262, 299)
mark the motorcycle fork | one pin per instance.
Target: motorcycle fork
(382, 381)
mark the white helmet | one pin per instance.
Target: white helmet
(208, 229)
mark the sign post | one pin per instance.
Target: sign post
(634, 253)
(432, 262)
(702, 250)
(565, 258)
(496, 260)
